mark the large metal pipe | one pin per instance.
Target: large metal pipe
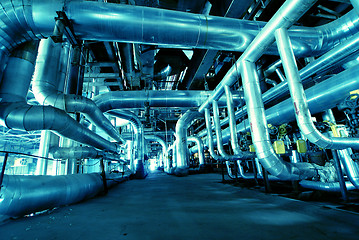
(259, 129)
(15, 113)
(351, 167)
(286, 15)
(139, 139)
(45, 85)
(81, 153)
(324, 186)
(210, 144)
(200, 148)
(181, 139)
(138, 99)
(303, 115)
(218, 129)
(22, 195)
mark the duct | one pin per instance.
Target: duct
(200, 148)
(138, 99)
(181, 138)
(22, 195)
(323, 186)
(303, 115)
(46, 82)
(139, 139)
(289, 12)
(214, 155)
(15, 113)
(164, 150)
(260, 136)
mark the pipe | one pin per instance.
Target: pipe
(214, 155)
(164, 150)
(200, 148)
(260, 136)
(286, 15)
(127, 60)
(350, 167)
(82, 152)
(340, 53)
(323, 186)
(303, 115)
(45, 85)
(181, 138)
(232, 125)
(28, 194)
(15, 113)
(355, 4)
(139, 144)
(217, 125)
(137, 99)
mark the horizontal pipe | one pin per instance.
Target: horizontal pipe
(138, 99)
(22, 195)
(83, 152)
(323, 186)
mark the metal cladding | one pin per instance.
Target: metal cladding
(138, 99)
(46, 82)
(22, 195)
(16, 113)
(139, 144)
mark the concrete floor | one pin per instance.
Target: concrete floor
(193, 207)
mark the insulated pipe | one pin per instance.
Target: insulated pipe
(335, 56)
(350, 166)
(214, 155)
(355, 4)
(15, 113)
(155, 26)
(137, 99)
(46, 82)
(82, 152)
(217, 125)
(260, 136)
(139, 145)
(164, 149)
(303, 115)
(200, 148)
(127, 60)
(22, 195)
(232, 125)
(323, 186)
(181, 138)
(287, 14)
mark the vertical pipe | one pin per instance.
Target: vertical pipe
(41, 167)
(2, 173)
(338, 167)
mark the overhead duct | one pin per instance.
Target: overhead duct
(45, 85)
(181, 139)
(302, 113)
(138, 99)
(139, 139)
(164, 149)
(16, 113)
(145, 25)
